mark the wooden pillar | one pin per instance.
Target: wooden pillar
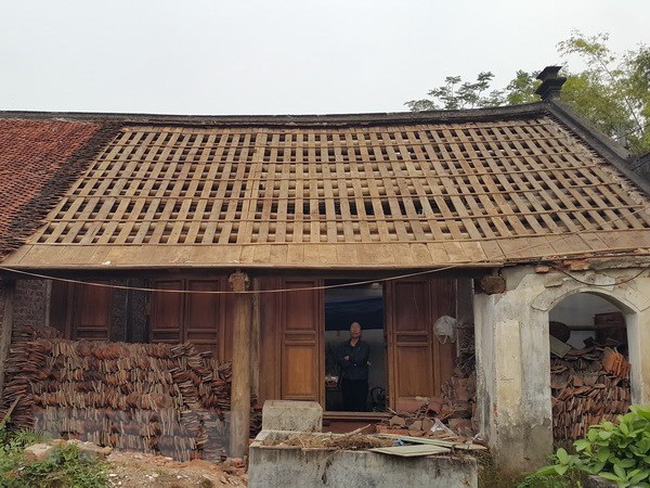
(241, 367)
(7, 293)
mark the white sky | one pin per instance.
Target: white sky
(265, 57)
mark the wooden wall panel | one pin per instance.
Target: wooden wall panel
(270, 350)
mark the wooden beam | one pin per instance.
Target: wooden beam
(241, 367)
(8, 293)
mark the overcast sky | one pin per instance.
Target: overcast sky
(266, 57)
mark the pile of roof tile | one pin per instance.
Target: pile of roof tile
(455, 409)
(160, 398)
(588, 385)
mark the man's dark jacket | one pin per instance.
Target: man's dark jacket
(356, 368)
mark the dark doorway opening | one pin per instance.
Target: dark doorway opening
(343, 306)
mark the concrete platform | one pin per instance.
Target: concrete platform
(271, 466)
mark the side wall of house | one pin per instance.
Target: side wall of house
(513, 353)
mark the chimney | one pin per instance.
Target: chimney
(551, 82)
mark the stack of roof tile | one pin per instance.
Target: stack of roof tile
(588, 385)
(160, 398)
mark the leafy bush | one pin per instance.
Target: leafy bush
(64, 468)
(617, 452)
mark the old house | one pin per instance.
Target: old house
(492, 216)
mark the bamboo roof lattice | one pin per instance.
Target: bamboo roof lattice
(367, 195)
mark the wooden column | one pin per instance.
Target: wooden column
(241, 367)
(7, 293)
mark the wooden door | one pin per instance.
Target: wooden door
(417, 363)
(301, 336)
(199, 318)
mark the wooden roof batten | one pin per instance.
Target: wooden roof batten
(396, 191)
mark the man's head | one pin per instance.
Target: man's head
(355, 330)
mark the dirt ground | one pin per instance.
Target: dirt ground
(134, 470)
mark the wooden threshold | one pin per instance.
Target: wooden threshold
(341, 422)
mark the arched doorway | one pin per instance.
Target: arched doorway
(589, 364)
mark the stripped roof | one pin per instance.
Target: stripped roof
(399, 190)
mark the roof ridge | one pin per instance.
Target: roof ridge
(379, 118)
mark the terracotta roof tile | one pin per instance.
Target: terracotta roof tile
(31, 154)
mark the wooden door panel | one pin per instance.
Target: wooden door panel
(270, 342)
(226, 329)
(300, 307)
(413, 377)
(411, 307)
(167, 313)
(301, 336)
(92, 315)
(59, 303)
(444, 303)
(300, 378)
(203, 315)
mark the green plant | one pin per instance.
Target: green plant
(617, 452)
(535, 480)
(63, 468)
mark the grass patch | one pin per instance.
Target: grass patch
(64, 468)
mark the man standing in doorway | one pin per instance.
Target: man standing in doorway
(353, 360)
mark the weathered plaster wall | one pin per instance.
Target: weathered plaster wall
(513, 356)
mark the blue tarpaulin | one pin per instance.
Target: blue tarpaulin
(369, 312)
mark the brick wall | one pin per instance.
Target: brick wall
(30, 304)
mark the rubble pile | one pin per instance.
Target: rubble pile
(588, 385)
(157, 398)
(454, 410)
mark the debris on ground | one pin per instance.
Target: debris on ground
(137, 470)
(354, 442)
(453, 412)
